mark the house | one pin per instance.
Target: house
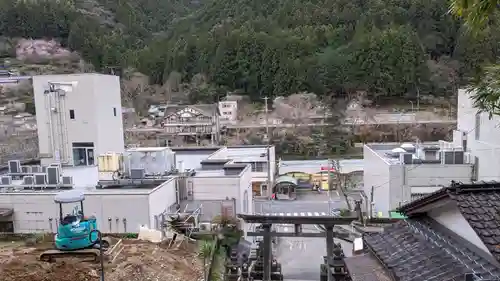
(201, 121)
(228, 111)
(449, 233)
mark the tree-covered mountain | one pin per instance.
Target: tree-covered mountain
(388, 49)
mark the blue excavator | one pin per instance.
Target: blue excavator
(77, 235)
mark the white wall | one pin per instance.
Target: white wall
(426, 177)
(245, 185)
(376, 174)
(487, 145)
(449, 216)
(33, 211)
(80, 99)
(109, 126)
(92, 97)
(161, 199)
(218, 188)
(215, 188)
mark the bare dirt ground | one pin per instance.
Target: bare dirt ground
(139, 261)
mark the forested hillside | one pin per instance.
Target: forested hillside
(389, 49)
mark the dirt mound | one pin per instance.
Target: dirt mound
(139, 261)
(152, 262)
(67, 270)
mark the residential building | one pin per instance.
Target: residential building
(228, 111)
(201, 121)
(78, 116)
(262, 159)
(447, 235)
(395, 174)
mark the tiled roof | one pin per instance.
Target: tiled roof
(482, 211)
(479, 204)
(413, 250)
(366, 268)
(206, 109)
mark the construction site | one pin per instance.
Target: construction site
(137, 261)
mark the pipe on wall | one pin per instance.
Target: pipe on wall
(48, 107)
(63, 128)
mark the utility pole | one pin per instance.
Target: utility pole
(336, 168)
(266, 111)
(330, 185)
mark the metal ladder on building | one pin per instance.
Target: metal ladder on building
(449, 247)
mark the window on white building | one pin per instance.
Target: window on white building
(83, 153)
(477, 126)
(258, 167)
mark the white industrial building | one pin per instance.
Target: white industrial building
(481, 137)
(82, 148)
(29, 206)
(395, 174)
(78, 117)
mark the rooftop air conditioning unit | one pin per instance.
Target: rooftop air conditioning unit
(36, 169)
(28, 180)
(6, 180)
(14, 166)
(67, 181)
(137, 174)
(53, 175)
(25, 169)
(40, 179)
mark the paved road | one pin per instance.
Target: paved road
(301, 257)
(256, 126)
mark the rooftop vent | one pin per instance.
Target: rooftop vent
(409, 147)
(398, 150)
(395, 152)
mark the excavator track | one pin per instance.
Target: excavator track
(52, 255)
(93, 254)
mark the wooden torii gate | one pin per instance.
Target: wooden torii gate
(267, 221)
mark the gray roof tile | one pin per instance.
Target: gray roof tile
(413, 251)
(366, 268)
(479, 204)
